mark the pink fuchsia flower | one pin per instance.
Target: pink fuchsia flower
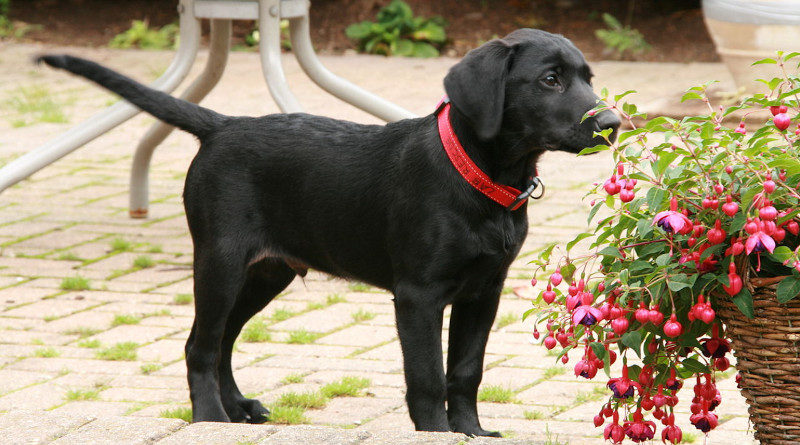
(586, 315)
(586, 369)
(614, 432)
(639, 430)
(672, 434)
(759, 242)
(704, 421)
(672, 221)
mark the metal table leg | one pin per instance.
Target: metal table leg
(36, 159)
(220, 40)
(344, 90)
(269, 26)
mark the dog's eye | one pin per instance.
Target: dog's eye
(551, 80)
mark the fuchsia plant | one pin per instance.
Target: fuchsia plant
(691, 207)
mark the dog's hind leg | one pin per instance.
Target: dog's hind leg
(470, 323)
(265, 280)
(218, 279)
(419, 311)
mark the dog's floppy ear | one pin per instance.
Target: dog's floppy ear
(476, 86)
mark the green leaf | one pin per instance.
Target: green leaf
(422, 49)
(595, 149)
(694, 365)
(655, 197)
(567, 271)
(578, 239)
(690, 96)
(781, 254)
(599, 349)
(681, 281)
(633, 340)
(610, 251)
(744, 301)
(545, 254)
(358, 31)
(788, 288)
(762, 61)
(404, 47)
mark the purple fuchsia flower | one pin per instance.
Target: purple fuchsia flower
(622, 387)
(586, 315)
(672, 221)
(759, 242)
(704, 421)
(714, 347)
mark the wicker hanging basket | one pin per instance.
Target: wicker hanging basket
(767, 350)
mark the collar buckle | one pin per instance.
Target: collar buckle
(528, 193)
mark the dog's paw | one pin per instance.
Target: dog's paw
(256, 412)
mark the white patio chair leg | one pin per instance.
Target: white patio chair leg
(344, 90)
(101, 122)
(269, 26)
(219, 46)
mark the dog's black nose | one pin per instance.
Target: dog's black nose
(607, 119)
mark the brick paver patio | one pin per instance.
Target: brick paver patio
(95, 307)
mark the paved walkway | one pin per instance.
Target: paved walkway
(95, 307)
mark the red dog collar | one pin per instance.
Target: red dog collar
(505, 195)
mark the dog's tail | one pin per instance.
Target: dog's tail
(180, 113)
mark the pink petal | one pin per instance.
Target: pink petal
(768, 242)
(750, 244)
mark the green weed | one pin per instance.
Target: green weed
(256, 331)
(349, 386)
(125, 351)
(121, 319)
(182, 413)
(302, 337)
(496, 394)
(75, 283)
(362, 315)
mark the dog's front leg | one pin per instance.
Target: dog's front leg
(419, 312)
(470, 323)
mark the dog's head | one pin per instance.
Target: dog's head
(531, 88)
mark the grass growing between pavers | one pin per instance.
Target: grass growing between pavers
(35, 100)
(362, 315)
(287, 415)
(120, 245)
(302, 337)
(281, 314)
(305, 400)
(149, 368)
(290, 407)
(143, 262)
(533, 415)
(182, 299)
(90, 344)
(357, 286)
(75, 283)
(505, 320)
(334, 298)
(82, 331)
(256, 331)
(74, 395)
(125, 351)
(125, 319)
(48, 352)
(182, 413)
(496, 394)
(293, 378)
(349, 386)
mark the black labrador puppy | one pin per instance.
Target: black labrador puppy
(269, 197)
